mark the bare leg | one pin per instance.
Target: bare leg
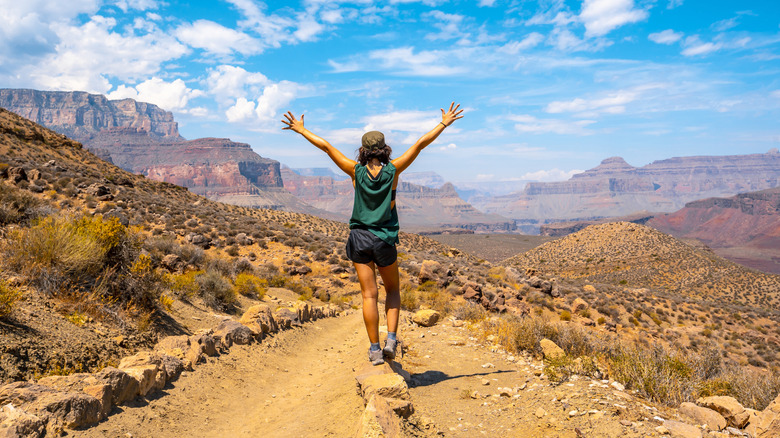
(392, 295)
(367, 277)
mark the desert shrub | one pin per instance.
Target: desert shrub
(565, 316)
(17, 206)
(222, 266)
(9, 296)
(215, 290)
(243, 265)
(469, 311)
(409, 297)
(250, 285)
(192, 254)
(144, 283)
(184, 285)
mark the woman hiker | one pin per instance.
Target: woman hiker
(374, 223)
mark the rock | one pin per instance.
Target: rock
(233, 332)
(146, 376)
(729, 407)
(681, 430)
(618, 386)
(58, 410)
(550, 350)
(765, 424)
(15, 422)
(579, 305)
(431, 270)
(17, 174)
(589, 288)
(206, 343)
(123, 387)
(402, 408)
(34, 175)
(386, 385)
(534, 282)
(171, 262)
(388, 367)
(260, 320)
(540, 412)
(286, 318)
(701, 415)
(82, 382)
(426, 318)
(97, 190)
(378, 420)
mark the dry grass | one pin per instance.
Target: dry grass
(9, 296)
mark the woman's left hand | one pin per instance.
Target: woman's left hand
(451, 114)
(293, 123)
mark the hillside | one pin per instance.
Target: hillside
(144, 139)
(615, 188)
(744, 228)
(98, 264)
(633, 254)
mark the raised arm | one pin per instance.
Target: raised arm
(447, 118)
(343, 163)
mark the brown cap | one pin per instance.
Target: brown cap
(373, 140)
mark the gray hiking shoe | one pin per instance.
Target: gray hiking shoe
(375, 357)
(390, 348)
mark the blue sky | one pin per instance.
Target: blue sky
(550, 87)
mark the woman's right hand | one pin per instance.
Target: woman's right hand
(451, 114)
(292, 123)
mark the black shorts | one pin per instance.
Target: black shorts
(365, 247)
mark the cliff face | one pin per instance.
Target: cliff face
(419, 208)
(142, 138)
(614, 188)
(744, 228)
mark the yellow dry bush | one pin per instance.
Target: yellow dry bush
(185, 284)
(110, 233)
(250, 285)
(9, 296)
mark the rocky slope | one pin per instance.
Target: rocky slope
(420, 208)
(142, 138)
(615, 188)
(743, 228)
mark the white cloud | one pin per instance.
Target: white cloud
(170, 96)
(612, 104)
(550, 175)
(242, 111)
(227, 82)
(667, 36)
(488, 3)
(450, 25)
(674, 3)
(724, 25)
(775, 94)
(449, 147)
(88, 55)
(530, 41)
(217, 39)
(405, 61)
(695, 47)
(140, 5)
(602, 16)
(530, 124)
(406, 121)
(264, 111)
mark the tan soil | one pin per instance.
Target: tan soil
(301, 383)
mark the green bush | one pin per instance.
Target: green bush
(216, 290)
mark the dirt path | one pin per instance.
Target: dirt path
(299, 383)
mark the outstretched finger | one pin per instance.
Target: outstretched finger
(301, 119)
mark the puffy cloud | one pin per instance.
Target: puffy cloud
(264, 112)
(242, 111)
(695, 47)
(171, 96)
(530, 124)
(602, 16)
(217, 39)
(447, 148)
(667, 36)
(450, 25)
(89, 54)
(488, 3)
(227, 82)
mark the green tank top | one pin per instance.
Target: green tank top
(373, 198)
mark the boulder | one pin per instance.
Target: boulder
(181, 348)
(385, 385)
(15, 422)
(471, 294)
(550, 349)
(378, 420)
(58, 410)
(681, 430)
(98, 190)
(579, 305)
(171, 262)
(517, 307)
(147, 376)
(765, 424)
(233, 332)
(388, 367)
(17, 174)
(260, 320)
(729, 407)
(82, 382)
(589, 288)
(123, 387)
(426, 318)
(431, 271)
(34, 174)
(286, 317)
(206, 343)
(701, 415)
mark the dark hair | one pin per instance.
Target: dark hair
(383, 154)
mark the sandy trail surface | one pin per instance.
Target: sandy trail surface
(298, 383)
